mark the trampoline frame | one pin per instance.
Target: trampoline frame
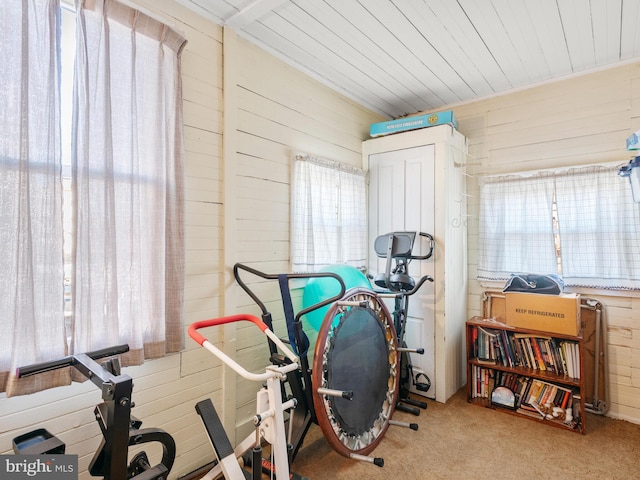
(343, 442)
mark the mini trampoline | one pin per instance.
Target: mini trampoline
(356, 352)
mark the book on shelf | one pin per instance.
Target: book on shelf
(532, 397)
(537, 353)
(531, 394)
(483, 382)
(514, 349)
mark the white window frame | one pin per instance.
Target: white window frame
(609, 199)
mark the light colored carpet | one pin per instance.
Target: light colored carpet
(458, 440)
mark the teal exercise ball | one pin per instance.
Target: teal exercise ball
(318, 289)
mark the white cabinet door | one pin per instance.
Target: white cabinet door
(401, 197)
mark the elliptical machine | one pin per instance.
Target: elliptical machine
(397, 248)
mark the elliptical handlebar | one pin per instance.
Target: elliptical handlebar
(239, 369)
(266, 276)
(68, 361)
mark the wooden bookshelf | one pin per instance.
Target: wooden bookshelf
(544, 370)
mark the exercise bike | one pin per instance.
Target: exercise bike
(120, 429)
(352, 389)
(269, 419)
(397, 249)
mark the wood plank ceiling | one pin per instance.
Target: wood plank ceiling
(398, 57)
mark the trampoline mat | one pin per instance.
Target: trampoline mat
(360, 363)
(356, 352)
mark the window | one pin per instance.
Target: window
(580, 223)
(91, 166)
(329, 220)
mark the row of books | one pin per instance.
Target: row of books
(512, 349)
(531, 396)
(485, 380)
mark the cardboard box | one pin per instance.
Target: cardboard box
(411, 123)
(547, 313)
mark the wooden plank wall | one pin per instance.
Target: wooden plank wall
(272, 112)
(577, 121)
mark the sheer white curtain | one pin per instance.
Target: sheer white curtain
(329, 217)
(596, 240)
(516, 232)
(30, 193)
(128, 168)
(599, 228)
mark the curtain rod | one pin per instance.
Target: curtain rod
(323, 162)
(550, 173)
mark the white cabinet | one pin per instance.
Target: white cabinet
(417, 183)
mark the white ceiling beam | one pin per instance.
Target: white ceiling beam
(252, 12)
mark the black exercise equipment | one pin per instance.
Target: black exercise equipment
(120, 429)
(345, 389)
(397, 249)
(299, 382)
